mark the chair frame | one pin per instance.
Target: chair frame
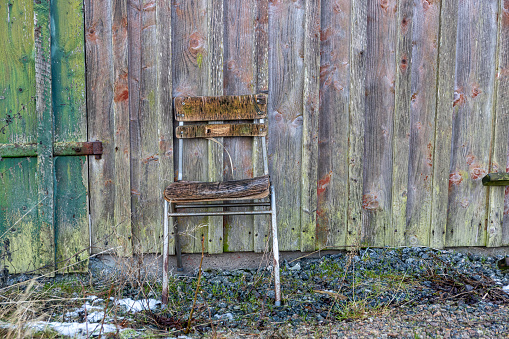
(170, 212)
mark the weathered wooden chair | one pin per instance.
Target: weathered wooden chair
(182, 198)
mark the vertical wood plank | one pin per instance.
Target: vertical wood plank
(146, 156)
(261, 226)
(71, 173)
(380, 81)
(19, 225)
(239, 78)
(164, 100)
(358, 46)
(215, 49)
(395, 232)
(331, 226)
(190, 60)
(286, 66)
(472, 122)
(422, 124)
(310, 111)
(443, 121)
(45, 133)
(108, 121)
(498, 222)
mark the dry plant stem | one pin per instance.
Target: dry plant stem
(197, 286)
(105, 308)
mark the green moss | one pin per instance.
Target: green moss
(199, 60)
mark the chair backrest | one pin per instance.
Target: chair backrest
(221, 116)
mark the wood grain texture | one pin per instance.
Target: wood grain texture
(108, 121)
(443, 121)
(211, 191)
(190, 60)
(145, 129)
(221, 130)
(231, 107)
(358, 46)
(310, 115)
(422, 124)
(496, 179)
(19, 225)
(472, 122)
(332, 202)
(261, 224)
(395, 232)
(45, 135)
(380, 81)
(164, 102)
(286, 66)
(498, 231)
(70, 120)
(215, 61)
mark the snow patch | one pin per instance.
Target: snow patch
(506, 288)
(138, 305)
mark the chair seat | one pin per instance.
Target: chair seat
(192, 191)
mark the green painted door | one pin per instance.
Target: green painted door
(43, 191)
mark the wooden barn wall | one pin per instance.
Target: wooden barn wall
(383, 118)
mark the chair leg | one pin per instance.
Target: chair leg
(178, 251)
(275, 247)
(165, 254)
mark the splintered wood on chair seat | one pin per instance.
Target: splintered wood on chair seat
(190, 191)
(232, 107)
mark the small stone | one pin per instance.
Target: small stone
(296, 267)
(469, 287)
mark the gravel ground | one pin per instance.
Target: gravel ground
(372, 293)
(375, 293)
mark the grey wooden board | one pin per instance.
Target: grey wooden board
(472, 122)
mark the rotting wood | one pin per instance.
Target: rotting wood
(212, 191)
(358, 44)
(498, 222)
(396, 230)
(472, 122)
(45, 136)
(221, 130)
(332, 202)
(209, 108)
(311, 111)
(443, 121)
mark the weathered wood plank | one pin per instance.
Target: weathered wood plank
(357, 100)
(422, 121)
(333, 127)
(261, 226)
(286, 68)
(231, 107)
(70, 120)
(472, 122)
(45, 134)
(108, 121)
(498, 229)
(443, 121)
(380, 80)
(59, 148)
(164, 102)
(19, 225)
(240, 79)
(145, 128)
(395, 232)
(211, 191)
(190, 60)
(310, 115)
(221, 130)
